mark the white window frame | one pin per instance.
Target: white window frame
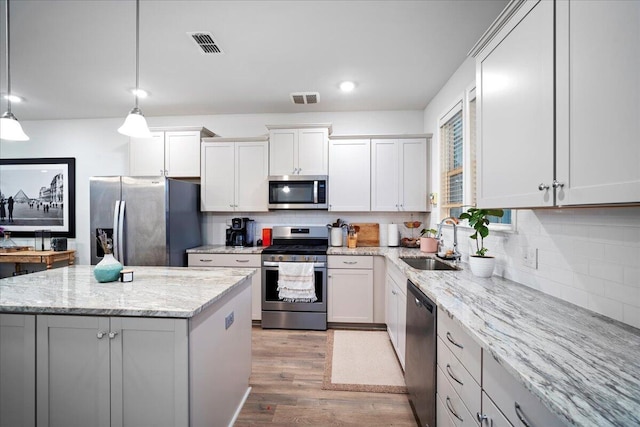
(463, 102)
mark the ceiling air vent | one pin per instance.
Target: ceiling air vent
(205, 42)
(305, 97)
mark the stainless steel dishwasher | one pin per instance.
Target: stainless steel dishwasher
(420, 363)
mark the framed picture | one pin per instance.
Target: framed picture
(38, 194)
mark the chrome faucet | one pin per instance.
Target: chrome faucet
(453, 221)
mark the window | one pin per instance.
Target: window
(458, 160)
(452, 161)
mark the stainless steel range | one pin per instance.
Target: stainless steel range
(295, 245)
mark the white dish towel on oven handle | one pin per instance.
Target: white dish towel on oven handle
(296, 282)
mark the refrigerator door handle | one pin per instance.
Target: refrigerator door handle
(116, 220)
(121, 233)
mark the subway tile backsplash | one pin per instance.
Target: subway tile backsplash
(589, 257)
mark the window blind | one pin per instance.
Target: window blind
(452, 157)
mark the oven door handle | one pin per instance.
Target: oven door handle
(275, 264)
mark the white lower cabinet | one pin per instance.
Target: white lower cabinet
(492, 415)
(112, 371)
(17, 370)
(455, 407)
(235, 260)
(517, 404)
(458, 374)
(350, 289)
(396, 310)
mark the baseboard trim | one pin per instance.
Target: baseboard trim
(239, 408)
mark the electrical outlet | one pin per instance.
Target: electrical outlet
(228, 321)
(530, 257)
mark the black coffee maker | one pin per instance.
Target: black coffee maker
(241, 232)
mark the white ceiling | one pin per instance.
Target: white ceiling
(76, 59)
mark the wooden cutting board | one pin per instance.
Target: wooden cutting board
(369, 234)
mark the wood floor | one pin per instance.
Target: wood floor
(286, 381)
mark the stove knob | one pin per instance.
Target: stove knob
(273, 257)
(280, 257)
(306, 258)
(293, 257)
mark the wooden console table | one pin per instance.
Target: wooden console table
(37, 257)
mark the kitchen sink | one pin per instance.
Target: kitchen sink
(428, 264)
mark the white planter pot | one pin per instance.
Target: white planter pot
(482, 266)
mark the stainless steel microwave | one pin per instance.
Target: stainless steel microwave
(298, 192)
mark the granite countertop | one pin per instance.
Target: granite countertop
(155, 291)
(584, 367)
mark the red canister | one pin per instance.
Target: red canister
(266, 237)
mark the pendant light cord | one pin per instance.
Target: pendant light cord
(137, 49)
(8, 63)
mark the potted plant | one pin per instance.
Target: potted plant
(428, 242)
(481, 264)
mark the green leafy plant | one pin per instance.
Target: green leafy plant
(480, 223)
(428, 232)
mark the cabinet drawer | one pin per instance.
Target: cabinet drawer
(512, 398)
(494, 417)
(461, 344)
(398, 277)
(459, 378)
(349, 261)
(454, 407)
(224, 260)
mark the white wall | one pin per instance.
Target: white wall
(100, 150)
(589, 257)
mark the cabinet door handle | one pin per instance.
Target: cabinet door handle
(481, 418)
(393, 292)
(350, 262)
(521, 416)
(450, 408)
(161, 172)
(205, 260)
(242, 260)
(543, 187)
(452, 341)
(557, 184)
(453, 377)
(100, 334)
(112, 335)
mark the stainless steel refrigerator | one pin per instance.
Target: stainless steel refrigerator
(152, 220)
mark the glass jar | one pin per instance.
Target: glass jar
(6, 241)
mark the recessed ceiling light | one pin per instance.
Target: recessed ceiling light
(140, 93)
(347, 86)
(13, 98)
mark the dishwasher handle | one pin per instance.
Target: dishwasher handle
(421, 300)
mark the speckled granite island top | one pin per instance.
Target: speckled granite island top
(155, 291)
(583, 366)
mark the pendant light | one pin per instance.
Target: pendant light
(135, 124)
(10, 128)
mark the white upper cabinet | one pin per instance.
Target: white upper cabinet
(398, 175)
(172, 152)
(302, 150)
(350, 175)
(234, 175)
(514, 78)
(558, 117)
(598, 113)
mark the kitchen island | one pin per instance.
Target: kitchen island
(171, 348)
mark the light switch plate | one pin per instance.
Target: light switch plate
(530, 257)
